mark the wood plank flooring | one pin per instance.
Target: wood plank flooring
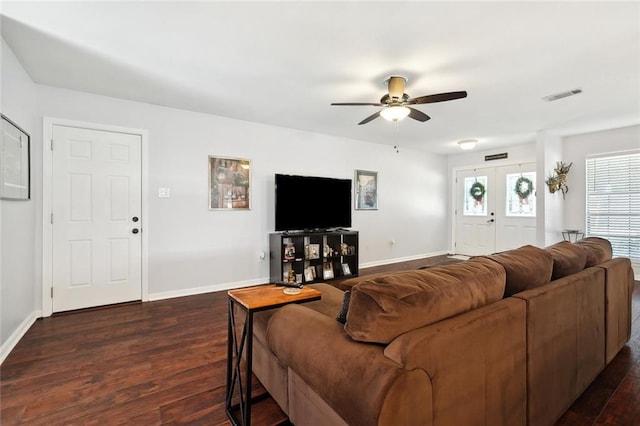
(164, 362)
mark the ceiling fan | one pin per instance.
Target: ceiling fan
(396, 103)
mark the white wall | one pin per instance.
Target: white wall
(191, 247)
(550, 208)
(19, 298)
(576, 149)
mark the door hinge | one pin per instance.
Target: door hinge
(52, 218)
(51, 144)
(52, 292)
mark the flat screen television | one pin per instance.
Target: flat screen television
(312, 203)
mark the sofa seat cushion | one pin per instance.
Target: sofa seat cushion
(568, 259)
(527, 267)
(329, 304)
(598, 250)
(386, 306)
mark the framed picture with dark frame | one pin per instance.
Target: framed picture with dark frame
(229, 183)
(15, 182)
(366, 190)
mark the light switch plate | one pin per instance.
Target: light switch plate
(164, 192)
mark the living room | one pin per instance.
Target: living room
(188, 248)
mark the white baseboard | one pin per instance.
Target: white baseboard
(401, 259)
(207, 289)
(18, 334)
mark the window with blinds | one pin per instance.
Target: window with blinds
(613, 202)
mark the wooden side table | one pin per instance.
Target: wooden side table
(251, 300)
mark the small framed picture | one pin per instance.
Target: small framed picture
(314, 251)
(229, 183)
(366, 190)
(327, 271)
(309, 274)
(290, 252)
(345, 269)
(14, 162)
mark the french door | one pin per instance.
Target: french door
(495, 209)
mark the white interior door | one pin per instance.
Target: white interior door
(516, 206)
(96, 211)
(495, 209)
(475, 212)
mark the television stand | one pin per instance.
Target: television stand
(305, 257)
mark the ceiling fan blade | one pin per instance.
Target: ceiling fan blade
(418, 115)
(356, 104)
(370, 118)
(439, 97)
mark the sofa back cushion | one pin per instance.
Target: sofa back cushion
(527, 267)
(386, 306)
(598, 250)
(568, 259)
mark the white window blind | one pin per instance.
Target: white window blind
(613, 202)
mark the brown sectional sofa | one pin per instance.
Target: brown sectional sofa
(490, 341)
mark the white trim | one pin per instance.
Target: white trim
(18, 334)
(401, 259)
(207, 289)
(612, 153)
(47, 172)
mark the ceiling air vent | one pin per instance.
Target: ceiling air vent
(557, 96)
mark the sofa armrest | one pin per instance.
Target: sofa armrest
(618, 295)
(355, 379)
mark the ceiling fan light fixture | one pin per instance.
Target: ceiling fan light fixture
(467, 144)
(395, 113)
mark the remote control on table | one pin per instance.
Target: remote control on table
(288, 284)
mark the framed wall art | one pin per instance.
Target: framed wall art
(14, 162)
(366, 190)
(229, 183)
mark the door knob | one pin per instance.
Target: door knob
(135, 219)
(491, 220)
(135, 230)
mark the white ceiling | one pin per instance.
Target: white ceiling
(283, 63)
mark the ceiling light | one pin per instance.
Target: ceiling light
(395, 113)
(468, 144)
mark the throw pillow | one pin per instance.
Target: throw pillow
(598, 250)
(568, 259)
(527, 267)
(385, 306)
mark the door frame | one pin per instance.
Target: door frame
(453, 192)
(47, 227)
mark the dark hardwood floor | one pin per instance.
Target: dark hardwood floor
(164, 362)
